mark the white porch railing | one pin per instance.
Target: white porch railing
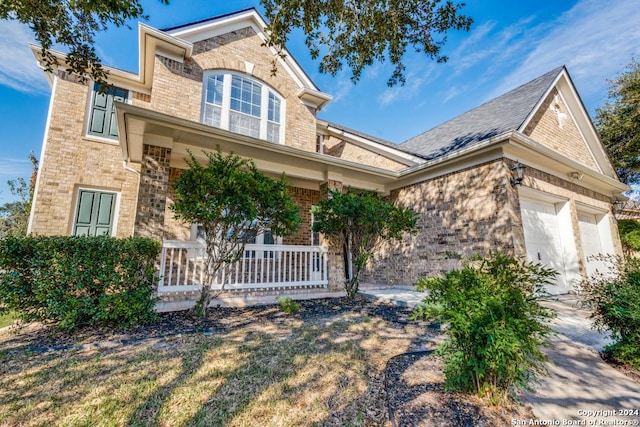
(182, 265)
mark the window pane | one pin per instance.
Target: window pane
(214, 90)
(273, 132)
(244, 124)
(245, 96)
(274, 108)
(212, 115)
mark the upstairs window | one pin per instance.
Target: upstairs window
(242, 105)
(102, 116)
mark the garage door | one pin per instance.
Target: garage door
(543, 241)
(591, 242)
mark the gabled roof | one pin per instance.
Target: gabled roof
(505, 113)
(204, 29)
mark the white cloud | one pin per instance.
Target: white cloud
(12, 168)
(18, 68)
(594, 40)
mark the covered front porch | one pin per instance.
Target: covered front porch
(157, 144)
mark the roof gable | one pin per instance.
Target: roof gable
(219, 25)
(500, 115)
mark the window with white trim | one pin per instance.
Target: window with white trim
(240, 104)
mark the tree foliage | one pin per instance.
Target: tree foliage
(359, 33)
(233, 202)
(14, 216)
(496, 324)
(629, 231)
(618, 123)
(355, 33)
(72, 24)
(359, 223)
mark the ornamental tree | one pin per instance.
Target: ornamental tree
(359, 223)
(233, 202)
(618, 123)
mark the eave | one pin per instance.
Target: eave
(139, 126)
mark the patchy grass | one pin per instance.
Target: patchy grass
(7, 319)
(324, 371)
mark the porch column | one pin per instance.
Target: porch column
(152, 195)
(335, 256)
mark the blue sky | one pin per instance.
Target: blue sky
(510, 43)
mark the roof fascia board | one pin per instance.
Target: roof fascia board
(150, 41)
(586, 126)
(389, 152)
(535, 109)
(126, 112)
(559, 163)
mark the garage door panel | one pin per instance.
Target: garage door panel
(543, 240)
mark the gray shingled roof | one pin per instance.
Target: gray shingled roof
(502, 114)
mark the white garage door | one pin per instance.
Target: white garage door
(591, 242)
(542, 240)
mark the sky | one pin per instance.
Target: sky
(510, 43)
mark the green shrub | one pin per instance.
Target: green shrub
(78, 281)
(288, 305)
(496, 324)
(629, 234)
(614, 300)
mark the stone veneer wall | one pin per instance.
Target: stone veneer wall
(152, 196)
(460, 214)
(177, 87)
(72, 159)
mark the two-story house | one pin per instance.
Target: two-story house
(109, 159)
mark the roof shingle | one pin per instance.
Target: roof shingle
(502, 114)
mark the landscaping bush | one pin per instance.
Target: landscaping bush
(79, 281)
(614, 300)
(496, 324)
(288, 305)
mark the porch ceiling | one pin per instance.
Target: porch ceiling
(140, 126)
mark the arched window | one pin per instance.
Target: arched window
(239, 104)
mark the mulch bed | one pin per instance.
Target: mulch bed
(413, 383)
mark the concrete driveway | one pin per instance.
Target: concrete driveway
(581, 387)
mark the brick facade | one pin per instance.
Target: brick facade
(345, 150)
(466, 212)
(177, 87)
(460, 214)
(554, 127)
(72, 160)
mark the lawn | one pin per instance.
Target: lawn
(7, 319)
(248, 367)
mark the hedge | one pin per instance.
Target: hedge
(78, 281)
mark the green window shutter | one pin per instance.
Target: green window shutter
(103, 121)
(94, 214)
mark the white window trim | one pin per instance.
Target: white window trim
(87, 116)
(114, 225)
(226, 102)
